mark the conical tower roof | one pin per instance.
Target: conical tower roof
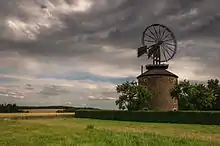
(153, 70)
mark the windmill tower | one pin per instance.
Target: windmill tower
(160, 45)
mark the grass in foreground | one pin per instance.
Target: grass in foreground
(86, 132)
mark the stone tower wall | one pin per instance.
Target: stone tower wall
(160, 86)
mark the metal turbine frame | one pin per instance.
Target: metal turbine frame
(159, 43)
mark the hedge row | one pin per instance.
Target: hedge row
(207, 118)
(71, 110)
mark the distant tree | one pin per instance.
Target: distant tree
(132, 96)
(9, 108)
(193, 96)
(213, 84)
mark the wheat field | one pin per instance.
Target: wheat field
(42, 110)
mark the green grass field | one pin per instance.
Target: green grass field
(87, 132)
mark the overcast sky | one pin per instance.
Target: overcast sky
(74, 52)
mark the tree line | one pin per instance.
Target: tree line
(197, 96)
(13, 108)
(9, 108)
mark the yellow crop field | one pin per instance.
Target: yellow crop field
(27, 115)
(42, 110)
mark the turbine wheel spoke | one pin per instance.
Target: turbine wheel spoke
(166, 49)
(150, 41)
(166, 35)
(169, 44)
(163, 50)
(150, 37)
(168, 53)
(169, 48)
(167, 40)
(155, 32)
(163, 34)
(155, 38)
(159, 33)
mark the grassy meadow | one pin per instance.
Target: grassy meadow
(89, 132)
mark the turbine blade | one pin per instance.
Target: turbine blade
(141, 51)
(153, 51)
(150, 52)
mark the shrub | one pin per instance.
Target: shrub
(60, 111)
(132, 96)
(90, 127)
(184, 117)
(73, 109)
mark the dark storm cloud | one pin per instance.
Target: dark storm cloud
(119, 24)
(123, 22)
